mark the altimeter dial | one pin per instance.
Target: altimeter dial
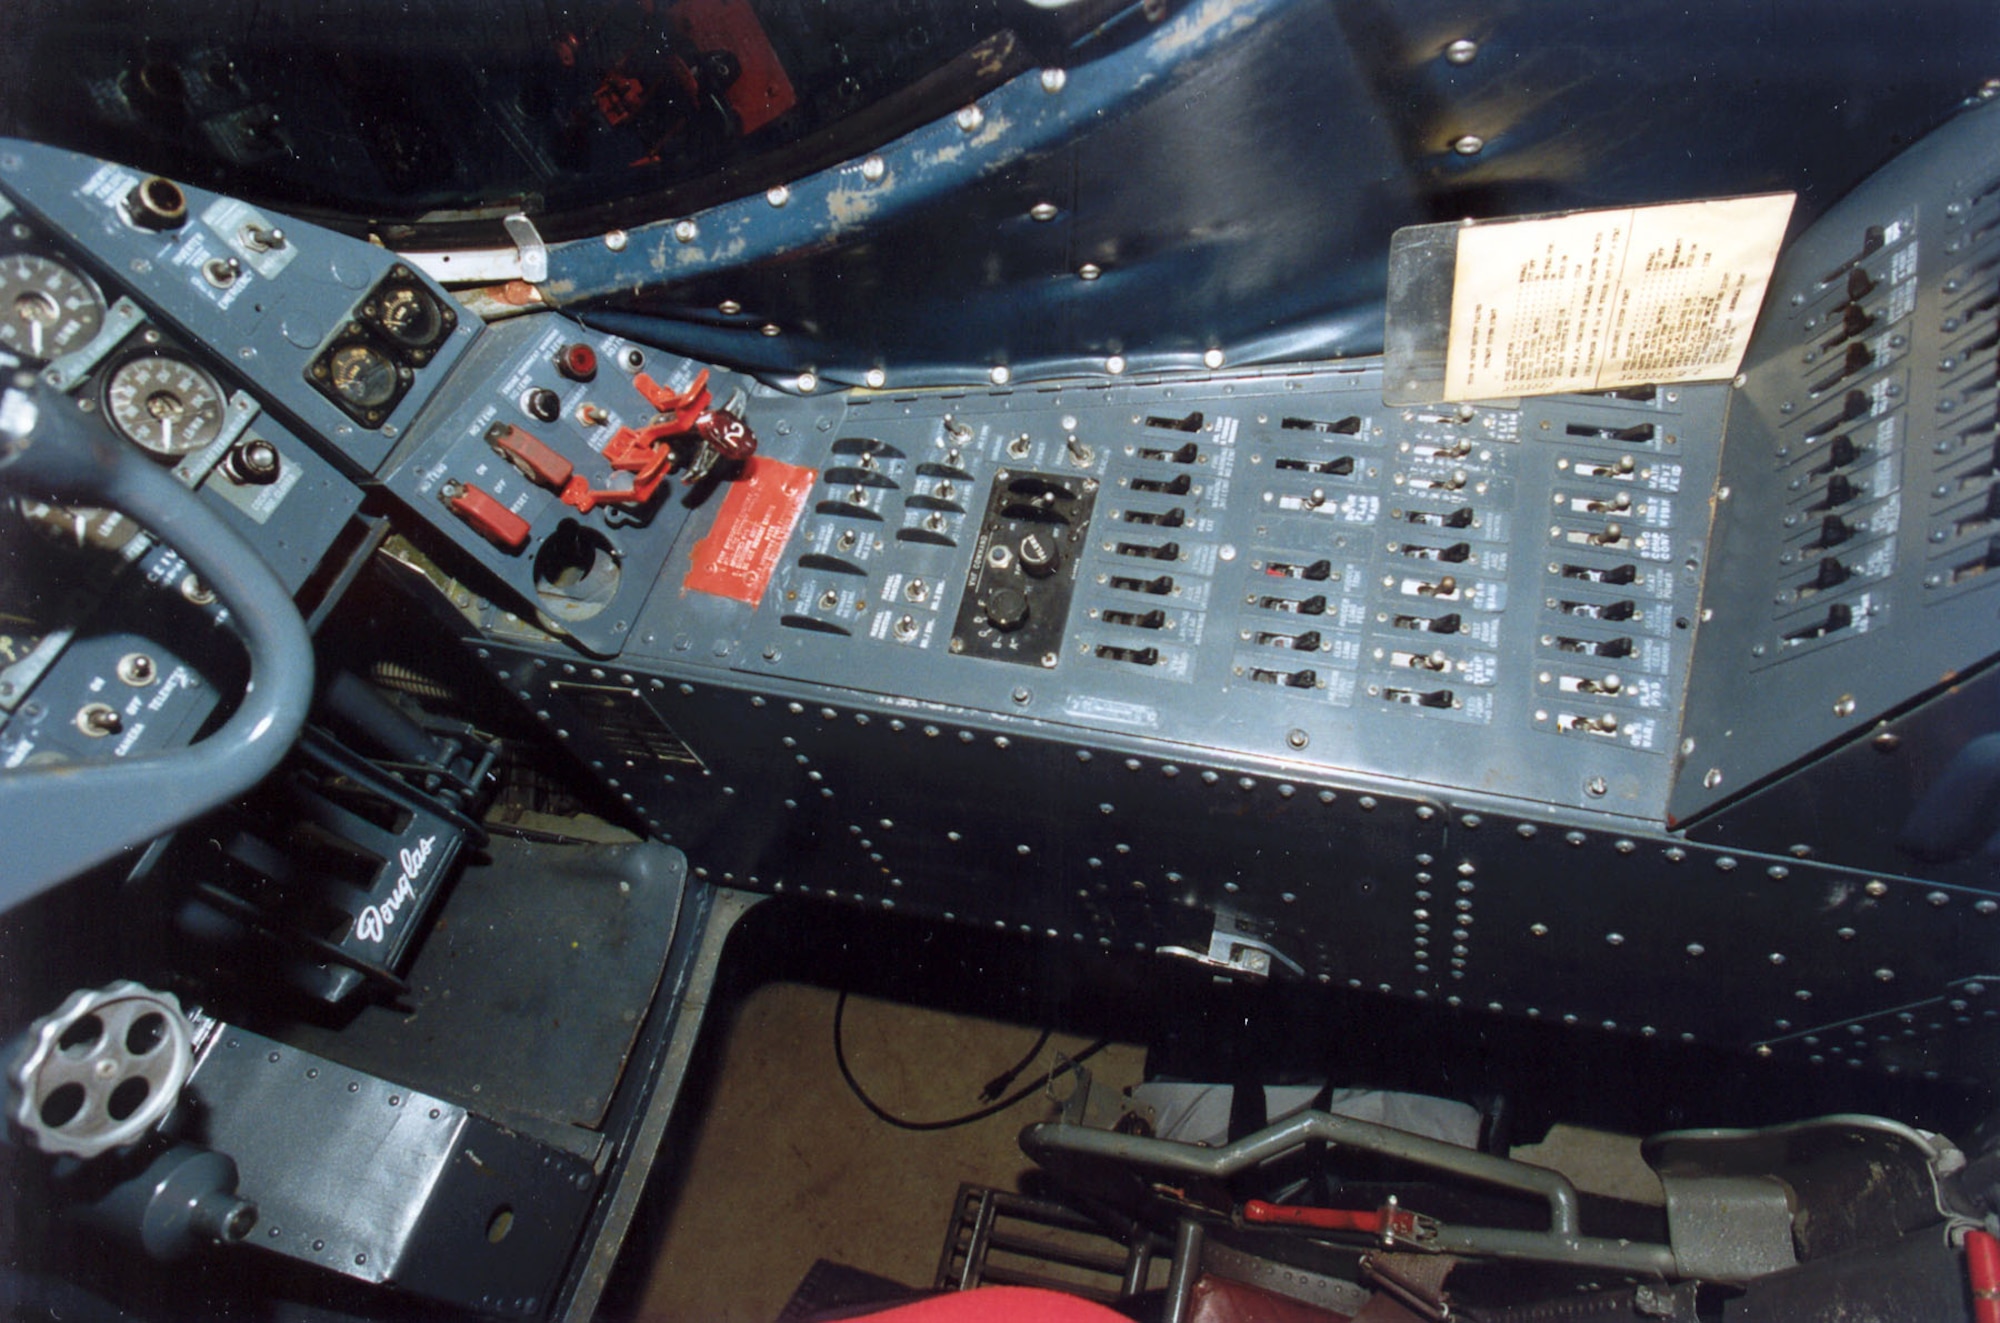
(46, 309)
(165, 405)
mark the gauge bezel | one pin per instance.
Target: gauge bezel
(419, 350)
(320, 373)
(19, 243)
(154, 348)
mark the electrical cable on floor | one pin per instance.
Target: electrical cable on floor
(999, 1082)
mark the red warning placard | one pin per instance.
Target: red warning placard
(740, 553)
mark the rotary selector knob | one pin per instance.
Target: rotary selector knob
(1040, 556)
(1007, 609)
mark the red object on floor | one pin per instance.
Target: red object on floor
(1000, 1304)
(1982, 1264)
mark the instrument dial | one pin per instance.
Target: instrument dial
(46, 309)
(410, 316)
(79, 525)
(362, 375)
(164, 405)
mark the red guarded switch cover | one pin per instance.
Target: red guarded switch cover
(534, 457)
(490, 519)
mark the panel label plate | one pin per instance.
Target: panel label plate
(741, 552)
(1602, 300)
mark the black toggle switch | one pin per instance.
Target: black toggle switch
(1838, 617)
(1616, 575)
(1857, 358)
(1840, 490)
(1831, 574)
(1855, 405)
(1438, 698)
(1288, 679)
(1841, 453)
(1872, 240)
(1833, 530)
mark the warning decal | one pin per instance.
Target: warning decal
(740, 553)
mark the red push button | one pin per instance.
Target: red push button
(577, 362)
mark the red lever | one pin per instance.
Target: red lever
(1368, 1221)
(645, 452)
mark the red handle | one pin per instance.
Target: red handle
(1366, 1220)
(1982, 1263)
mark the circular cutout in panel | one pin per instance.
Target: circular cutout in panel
(576, 572)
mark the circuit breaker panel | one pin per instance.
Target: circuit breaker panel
(1413, 699)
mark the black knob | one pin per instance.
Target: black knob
(1039, 556)
(542, 404)
(1007, 609)
(252, 461)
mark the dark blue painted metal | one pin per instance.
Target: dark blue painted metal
(59, 820)
(1235, 176)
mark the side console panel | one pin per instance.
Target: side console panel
(1858, 551)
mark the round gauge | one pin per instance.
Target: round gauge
(410, 316)
(46, 309)
(362, 375)
(80, 525)
(164, 405)
(18, 636)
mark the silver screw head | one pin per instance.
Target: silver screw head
(1469, 145)
(1461, 51)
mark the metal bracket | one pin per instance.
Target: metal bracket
(1234, 949)
(528, 240)
(120, 322)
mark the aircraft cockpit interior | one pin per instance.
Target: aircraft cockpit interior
(1408, 573)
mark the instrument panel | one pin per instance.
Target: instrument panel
(1216, 663)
